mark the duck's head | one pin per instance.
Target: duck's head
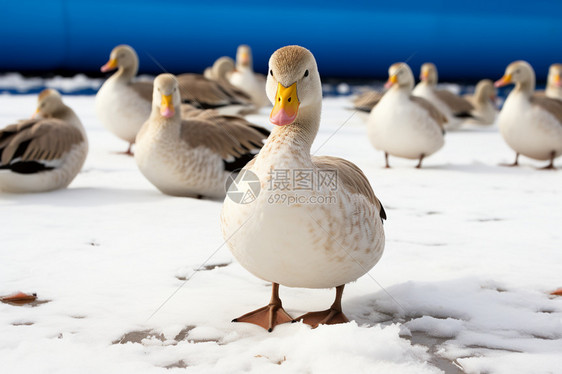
(428, 73)
(244, 56)
(293, 84)
(222, 67)
(122, 56)
(400, 75)
(166, 95)
(49, 102)
(485, 90)
(518, 72)
(554, 73)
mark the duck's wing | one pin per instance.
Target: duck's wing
(367, 100)
(459, 106)
(352, 178)
(32, 146)
(208, 94)
(143, 89)
(233, 138)
(551, 105)
(431, 109)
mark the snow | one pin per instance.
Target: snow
(140, 282)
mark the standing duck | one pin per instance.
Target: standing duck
(454, 107)
(44, 153)
(331, 239)
(530, 124)
(244, 77)
(404, 125)
(123, 105)
(192, 152)
(484, 102)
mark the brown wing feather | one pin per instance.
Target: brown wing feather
(456, 103)
(551, 105)
(352, 178)
(367, 100)
(42, 140)
(228, 136)
(206, 93)
(143, 89)
(434, 113)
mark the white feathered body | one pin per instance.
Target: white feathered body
(64, 172)
(121, 109)
(427, 92)
(400, 127)
(529, 129)
(306, 244)
(176, 168)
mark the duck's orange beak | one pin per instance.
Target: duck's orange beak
(167, 106)
(503, 81)
(245, 58)
(109, 65)
(557, 81)
(286, 105)
(392, 80)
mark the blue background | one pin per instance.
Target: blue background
(470, 40)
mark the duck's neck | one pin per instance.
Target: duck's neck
(291, 143)
(126, 73)
(66, 114)
(526, 87)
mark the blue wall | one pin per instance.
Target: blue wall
(466, 41)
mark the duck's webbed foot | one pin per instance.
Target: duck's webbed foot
(270, 315)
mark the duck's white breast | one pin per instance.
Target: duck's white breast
(312, 245)
(177, 169)
(247, 81)
(121, 110)
(428, 93)
(402, 128)
(529, 129)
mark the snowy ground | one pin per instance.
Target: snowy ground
(473, 250)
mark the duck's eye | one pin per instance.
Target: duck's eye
(271, 72)
(306, 73)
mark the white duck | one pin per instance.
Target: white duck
(484, 102)
(530, 124)
(404, 125)
(244, 77)
(192, 152)
(333, 238)
(44, 153)
(553, 82)
(123, 105)
(454, 107)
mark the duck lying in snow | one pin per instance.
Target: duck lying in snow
(191, 152)
(44, 153)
